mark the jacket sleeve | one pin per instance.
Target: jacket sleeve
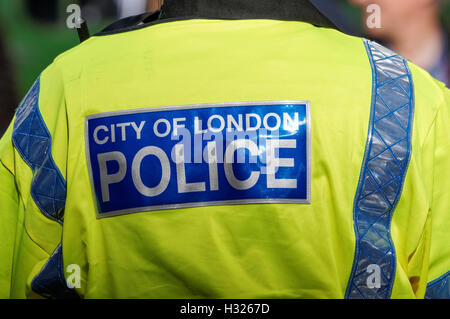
(9, 207)
(33, 191)
(439, 265)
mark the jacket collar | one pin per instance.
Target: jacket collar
(291, 10)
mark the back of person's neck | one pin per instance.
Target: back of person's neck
(421, 41)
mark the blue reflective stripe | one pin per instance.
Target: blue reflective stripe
(50, 282)
(439, 288)
(386, 160)
(33, 141)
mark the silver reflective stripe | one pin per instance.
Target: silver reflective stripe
(383, 171)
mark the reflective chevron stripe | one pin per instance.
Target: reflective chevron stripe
(439, 288)
(33, 141)
(386, 160)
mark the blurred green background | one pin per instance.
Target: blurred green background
(32, 44)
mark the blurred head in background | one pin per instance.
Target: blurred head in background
(154, 5)
(128, 8)
(411, 28)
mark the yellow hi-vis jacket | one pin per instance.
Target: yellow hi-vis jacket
(342, 190)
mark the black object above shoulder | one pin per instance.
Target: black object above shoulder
(173, 10)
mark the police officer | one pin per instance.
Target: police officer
(238, 149)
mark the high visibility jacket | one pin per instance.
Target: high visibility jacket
(357, 205)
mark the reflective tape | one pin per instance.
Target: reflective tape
(33, 141)
(439, 288)
(50, 282)
(386, 160)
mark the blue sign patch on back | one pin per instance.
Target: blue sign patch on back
(199, 155)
